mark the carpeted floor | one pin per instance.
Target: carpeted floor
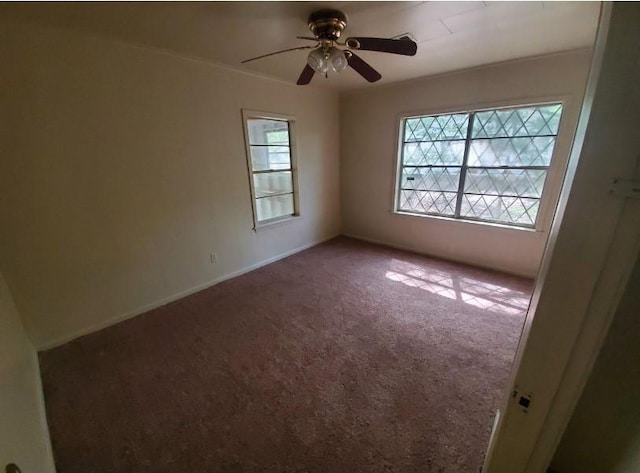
(347, 357)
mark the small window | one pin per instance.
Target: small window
(488, 165)
(271, 159)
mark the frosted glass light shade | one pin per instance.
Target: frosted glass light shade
(317, 61)
(337, 60)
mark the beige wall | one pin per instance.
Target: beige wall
(123, 168)
(604, 433)
(369, 123)
(24, 439)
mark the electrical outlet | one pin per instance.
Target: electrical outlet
(213, 257)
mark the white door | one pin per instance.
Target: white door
(593, 244)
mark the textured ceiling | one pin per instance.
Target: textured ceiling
(451, 35)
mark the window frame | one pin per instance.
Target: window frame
(555, 170)
(293, 155)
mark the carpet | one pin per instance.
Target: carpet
(347, 357)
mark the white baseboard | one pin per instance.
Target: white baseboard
(154, 305)
(421, 252)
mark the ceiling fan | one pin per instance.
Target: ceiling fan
(327, 25)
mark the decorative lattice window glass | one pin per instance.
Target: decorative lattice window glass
(488, 165)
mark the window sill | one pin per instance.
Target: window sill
(275, 223)
(464, 221)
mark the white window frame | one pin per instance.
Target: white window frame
(553, 180)
(293, 154)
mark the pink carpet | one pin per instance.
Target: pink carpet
(348, 357)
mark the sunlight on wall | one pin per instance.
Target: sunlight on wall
(450, 284)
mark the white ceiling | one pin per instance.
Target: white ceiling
(451, 35)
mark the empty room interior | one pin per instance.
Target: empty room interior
(319, 237)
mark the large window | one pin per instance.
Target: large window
(488, 165)
(272, 171)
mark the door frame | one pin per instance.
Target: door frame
(584, 270)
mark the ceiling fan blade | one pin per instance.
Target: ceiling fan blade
(277, 52)
(306, 75)
(362, 67)
(406, 47)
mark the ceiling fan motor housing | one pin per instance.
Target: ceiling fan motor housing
(327, 24)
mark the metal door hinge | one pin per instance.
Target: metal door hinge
(627, 188)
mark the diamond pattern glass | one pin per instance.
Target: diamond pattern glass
(529, 151)
(526, 121)
(513, 210)
(431, 179)
(434, 153)
(508, 182)
(504, 171)
(437, 203)
(435, 128)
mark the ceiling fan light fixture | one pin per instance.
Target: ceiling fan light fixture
(327, 27)
(317, 61)
(337, 60)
